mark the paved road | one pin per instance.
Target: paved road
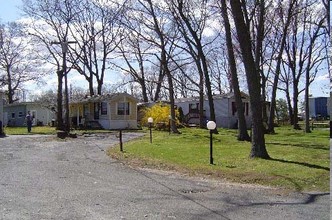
(42, 177)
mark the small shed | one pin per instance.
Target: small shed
(111, 111)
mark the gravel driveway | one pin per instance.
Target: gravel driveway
(42, 177)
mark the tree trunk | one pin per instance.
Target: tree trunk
(306, 100)
(59, 101)
(306, 95)
(172, 101)
(202, 123)
(289, 106)
(159, 84)
(242, 129)
(91, 90)
(144, 93)
(164, 65)
(258, 148)
(100, 86)
(207, 84)
(67, 119)
(10, 87)
(141, 81)
(295, 109)
(264, 106)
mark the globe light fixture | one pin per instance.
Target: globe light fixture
(211, 125)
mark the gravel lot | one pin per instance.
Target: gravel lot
(42, 177)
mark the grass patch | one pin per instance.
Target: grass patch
(45, 130)
(300, 161)
(35, 130)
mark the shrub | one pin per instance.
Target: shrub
(160, 113)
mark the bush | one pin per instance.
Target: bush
(160, 113)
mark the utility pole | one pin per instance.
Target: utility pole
(64, 49)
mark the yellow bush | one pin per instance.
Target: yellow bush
(160, 113)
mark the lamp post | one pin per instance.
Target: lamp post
(150, 121)
(169, 124)
(211, 125)
(120, 137)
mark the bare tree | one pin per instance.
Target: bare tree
(97, 33)
(258, 148)
(47, 99)
(134, 50)
(317, 35)
(242, 130)
(55, 17)
(165, 37)
(285, 26)
(219, 69)
(140, 50)
(186, 79)
(305, 51)
(18, 63)
(191, 17)
(285, 80)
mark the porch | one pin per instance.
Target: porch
(85, 116)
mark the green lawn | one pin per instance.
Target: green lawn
(34, 130)
(44, 130)
(299, 161)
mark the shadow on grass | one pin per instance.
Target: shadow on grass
(309, 146)
(302, 164)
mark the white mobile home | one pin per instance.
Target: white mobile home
(15, 114)
(112, 111)
(224, 106)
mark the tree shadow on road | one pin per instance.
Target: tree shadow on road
(310, 198)
(187, 197)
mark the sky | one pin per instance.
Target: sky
(9, 11)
